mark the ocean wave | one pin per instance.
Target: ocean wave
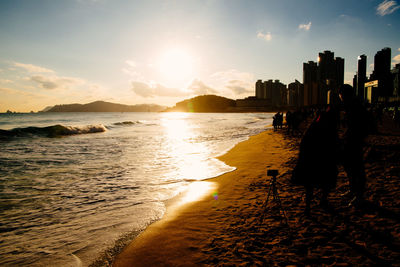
(52, 131)
(126, 123)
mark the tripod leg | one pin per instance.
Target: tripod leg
(265, 205)
(269, 192)
(281, 207)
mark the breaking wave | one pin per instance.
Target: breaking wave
(52, 131)
(126, 123)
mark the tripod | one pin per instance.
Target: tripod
(275, 195)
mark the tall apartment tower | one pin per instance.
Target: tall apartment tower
(330, 75)
(268, 90)
(361, 76)
(295, 94)
(321, 80)
(339, 63)
(310, 82)
(382, 62)
(396, 81)
(273, 92)
(326, 66)
(382, 73)
(260, 92)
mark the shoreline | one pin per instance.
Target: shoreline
(216, 195)
(237, 228)
(172, 205)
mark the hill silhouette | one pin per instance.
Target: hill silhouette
(102, 106)
(204, 103)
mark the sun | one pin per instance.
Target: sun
(176, 65)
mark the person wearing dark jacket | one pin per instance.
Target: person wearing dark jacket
(356, 118)
(317, 162)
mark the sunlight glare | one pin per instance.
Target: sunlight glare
(199, 190)
(176, 65)
(175, 125)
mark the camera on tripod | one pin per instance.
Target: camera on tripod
(273, 191)
(272, 173)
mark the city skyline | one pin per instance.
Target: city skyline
(134, 52)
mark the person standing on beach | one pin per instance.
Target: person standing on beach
(317, 161)
(356, 119)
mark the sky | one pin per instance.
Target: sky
(135, 52)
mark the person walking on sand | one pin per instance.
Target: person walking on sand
(356, 118)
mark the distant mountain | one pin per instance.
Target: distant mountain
(46, 109)
(101, 106)
(204, 103)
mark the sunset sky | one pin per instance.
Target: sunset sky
(133, 52)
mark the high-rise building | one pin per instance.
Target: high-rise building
(295, 94)
(260, 89)
(326, 66)
(382, 62)
(339, 63)
(330, 75)
(361, 76)
(396, 82)
(310, 82)
(322, 78)
(381, 73)
(268, 90)
(279, 94)
(355, 81)
(273, 92)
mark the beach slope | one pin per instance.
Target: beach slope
(185, 234)
(229, 222)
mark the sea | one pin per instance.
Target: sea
(77, 187)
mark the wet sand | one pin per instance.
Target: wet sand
(229, 223)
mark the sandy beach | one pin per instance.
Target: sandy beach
(226, 221)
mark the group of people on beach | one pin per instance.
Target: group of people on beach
(277, 120)
(321, 150)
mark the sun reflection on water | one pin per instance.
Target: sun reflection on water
(176, 126)
(186, 154)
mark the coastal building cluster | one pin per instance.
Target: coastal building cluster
(322, 79)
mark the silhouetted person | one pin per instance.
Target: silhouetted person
(356, 117)
(317, 162)
(275, 120)
(280, 120)
(298, 117)
(289, 121)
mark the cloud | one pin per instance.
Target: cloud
(131, 63)
(387, 7)
(152, 89)
(155, 89)
(5, 81)
(265, 36)
(396, 59)
(134, 74)
(32, 68)
(234, 82)
(55, 82)
(239, 87)
(199, 88)
(131, 70)
(305, 27)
